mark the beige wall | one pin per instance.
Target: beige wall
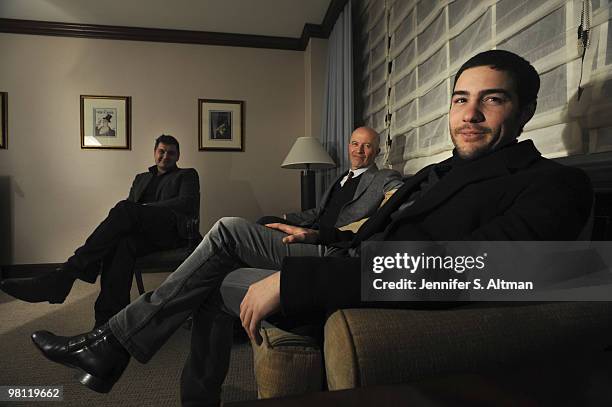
(52, 193)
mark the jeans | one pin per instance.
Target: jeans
(194, 288)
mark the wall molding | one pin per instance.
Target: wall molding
(35, 27)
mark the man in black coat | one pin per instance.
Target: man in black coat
(157, 215)
(493, 188)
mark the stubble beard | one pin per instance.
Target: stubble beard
(471, 151)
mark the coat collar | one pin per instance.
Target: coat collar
(364, 183)
(153, 170)
(496, 164)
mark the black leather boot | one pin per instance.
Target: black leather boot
(97, 355)
(53, 286)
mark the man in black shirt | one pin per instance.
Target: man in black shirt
(160, 208)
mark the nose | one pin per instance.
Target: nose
(472, 113)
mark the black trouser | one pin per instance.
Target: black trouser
(130, 230)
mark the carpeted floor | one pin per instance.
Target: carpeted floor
(153, 384)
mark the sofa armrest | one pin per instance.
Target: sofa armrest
(286, 364)
(366, 347)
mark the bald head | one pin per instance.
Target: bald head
(363, 147)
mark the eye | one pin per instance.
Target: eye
(493, 100)
(459, 100)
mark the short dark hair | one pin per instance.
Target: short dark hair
(524, 74)
(169, 140)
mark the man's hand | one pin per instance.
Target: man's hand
(261, 300)
(296, 233)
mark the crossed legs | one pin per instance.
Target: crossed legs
(130, 230)
(145, 325)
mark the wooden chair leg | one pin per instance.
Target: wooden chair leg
(138, 277)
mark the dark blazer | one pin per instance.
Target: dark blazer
(367, 198)
(178, 190)
(510, 194)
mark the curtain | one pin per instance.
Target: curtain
(337, 117)
(411, 51)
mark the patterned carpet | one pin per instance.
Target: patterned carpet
(153, 384)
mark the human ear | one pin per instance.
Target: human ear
(527, 113)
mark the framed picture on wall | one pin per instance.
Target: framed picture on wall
(3, 120)
(221, 125)
(105, 122)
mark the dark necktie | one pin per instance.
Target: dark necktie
(350, 175)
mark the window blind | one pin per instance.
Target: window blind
(411, 51)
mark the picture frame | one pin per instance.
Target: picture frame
(3, 121)
(105, 122)
(220, 125)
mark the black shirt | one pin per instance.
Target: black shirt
(150, 193)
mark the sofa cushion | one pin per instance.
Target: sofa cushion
(366, 347)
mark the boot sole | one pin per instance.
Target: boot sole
(94, 383)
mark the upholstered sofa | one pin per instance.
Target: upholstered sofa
(365, 347)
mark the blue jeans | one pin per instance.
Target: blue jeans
(195, 288)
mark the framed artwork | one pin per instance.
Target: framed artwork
(3, 120)
(105, 122)
(221, 125)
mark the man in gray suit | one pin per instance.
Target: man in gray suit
(156, 216)
(230, 244)
(357, 193)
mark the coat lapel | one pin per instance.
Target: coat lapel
(456, 180)
(381, 216)
(493, 165)
(328, 191)
(143, 185)
(365, 181)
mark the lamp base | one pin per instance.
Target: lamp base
(308, 189)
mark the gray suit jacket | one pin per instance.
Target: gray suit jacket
(373, 184)
(179, 191)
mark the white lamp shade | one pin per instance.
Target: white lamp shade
(307, 152)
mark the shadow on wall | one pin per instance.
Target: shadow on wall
(592, 111)
(398, 151)
(6, 222)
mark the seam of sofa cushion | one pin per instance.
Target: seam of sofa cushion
(353, 348)
(295, 350)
